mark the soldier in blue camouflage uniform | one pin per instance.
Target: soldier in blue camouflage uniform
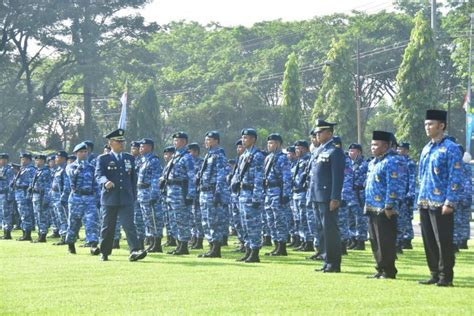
(6, 196)
(293, 227)
(406, 215)
(277, 185)
(21, 183)
(149, 195)
(347, 196)
(137, 211)
(382, 203)
(197, 232)
(180, 191)
(170, 223)
(211, 184)
(440, 180)
(356, 204)
(54, 221)
(299, 189)
(60, 190)
(234, 202)
(248, 183)
(82, 201)
(465, 231)
(39, 191)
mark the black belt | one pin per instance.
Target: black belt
(298, 190)
(143, 185)
(37, 191)
(207, 188)
(246, 186)
(83, 192)
(175, 181)
(272, 184)
(21, 187)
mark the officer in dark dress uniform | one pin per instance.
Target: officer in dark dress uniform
(325, 187)
(116, 178)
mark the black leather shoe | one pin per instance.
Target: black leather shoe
(7, 235)
(60, 243)
(116, 244)
(360, 245)
(104, 257)
(374, 276)
(95, 251)
(332, 270)
(387, 276)
(320, 269)
(137, 255)
(55, 234)
(444, 283)
(431, 281)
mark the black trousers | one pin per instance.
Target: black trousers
(383, 240)
(437, 233)
(109, 220)
(330, 238)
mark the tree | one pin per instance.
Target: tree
(291, 95)
(336, 100)
(416, 81)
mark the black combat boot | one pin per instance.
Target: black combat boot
(203, 255)
(352, 243)
(407, 244)
(7, 234)
(72, 248)
(178, 246)
(240, 248)
(198, 243)
(343, 248)
(55, 234)
(170, 242)
(116, 244)
(281, 251)
(399, 249)
(308, 247)
(215, 251)
(183, 249)
(295, 241)
(95, 251)
(301, 246)
(61, 242)
(156, 245)
(225, 240)
(26, 236)
(267, 241)
(253, 256)
(192, 242)
(277, 246)
(41, 238)
(248, 251)
(360, 245)
(462, 246)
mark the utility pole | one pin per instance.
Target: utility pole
(433, 15)
(359, 127)
(469, 115)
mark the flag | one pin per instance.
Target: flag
(123, 114)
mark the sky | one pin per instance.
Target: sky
(248, 12)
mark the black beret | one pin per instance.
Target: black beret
(291, 149)
(355, 146)
(337, 141)
(52, 157)
(275, 136)
(89, 143)
(213, 134)
(194, 146)
(40, 156)
(26, 155)
(4, 156)
(169, 149)
(404, 145)
(61, 153)
(302, 143)
(249, 131)
(393, 139)
(147, 141)
(180, 135)
(116, 135)
(381, 135)
(135, 144)
(437, 115)
(238, 143)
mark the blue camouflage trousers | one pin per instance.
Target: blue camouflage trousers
(276, 217)
(152, 215)
(82, 206)
(251, 217)
(138, 220)
(25, 209)
(170, 223)
(358, 221)
(296, 228)
(61, 211)
(213, 217)
(235, 217)
(6, 212)
(178, 212)
(41, 212)
(53, 219)
(305, 231)
(343, 223)
(465, 223)
(404, 222)
(314, 224)
(197, 230)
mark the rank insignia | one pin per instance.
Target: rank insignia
(454, 187)
(457, 165)
(436, 191)
(393, 195)
(394, 175)
(442, 149)
(377, 198)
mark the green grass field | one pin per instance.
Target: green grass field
(45, 279)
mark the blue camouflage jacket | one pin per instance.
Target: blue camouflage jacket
(440, 175)
(6, 178)
(299, 176)
(23, 179)
(213, 172)
(359, 168)
(383, 184)
(41, 183)
(466, 197)
(347, 193)
(402, 165)
(410, 192)
(61, 183)
(277, 174)
(182, 169)
(82, 179)
(251, 181)
(148, 177)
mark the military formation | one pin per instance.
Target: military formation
(311, 197)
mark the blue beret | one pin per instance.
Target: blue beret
(52, 157)
(147, 141)
(180, 135)
(275, 136)
(61, 153)
(135, 144)
(40, 156)
(194, 146)
(249, 131)
(337, 141)
(89, 143)
(355, 146)
(118, 134)
(291, 149)
(238, 143)
(4, 156)
(302, 143)
(80, 146)
(213, 134)
(169, 149)
(404, 145)
(26, 155)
